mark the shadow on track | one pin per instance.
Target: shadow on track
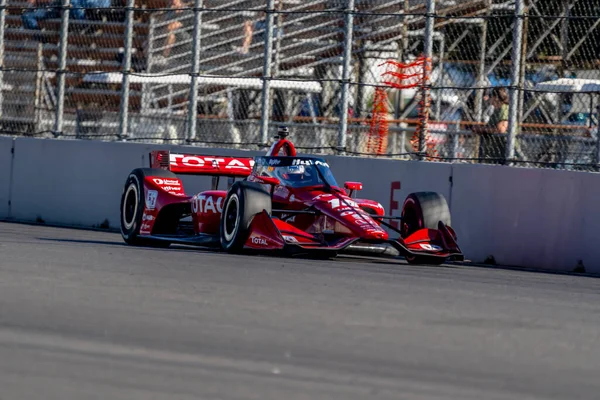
(103, 242)
(534, 271)
(390, 261)
(350, 261)
(173, 247)
(345, 261)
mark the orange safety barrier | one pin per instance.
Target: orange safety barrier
(401, 76)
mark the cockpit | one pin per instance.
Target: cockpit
(295, 172)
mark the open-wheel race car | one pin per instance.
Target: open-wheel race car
(279, 203)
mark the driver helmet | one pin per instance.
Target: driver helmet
(295, 173)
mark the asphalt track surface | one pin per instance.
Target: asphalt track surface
(82, 316)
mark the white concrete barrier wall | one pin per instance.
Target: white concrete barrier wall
(534, 218)
(70, 182)
(389, 182)
(523, 217)
(79, 183)
(6, 145)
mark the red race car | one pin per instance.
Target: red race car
(283, 203)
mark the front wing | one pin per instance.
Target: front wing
(438, 243)
(270, 233)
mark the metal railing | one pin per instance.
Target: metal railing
(227, 72)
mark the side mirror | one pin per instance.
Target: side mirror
(352, 186)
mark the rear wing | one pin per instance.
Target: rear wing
(195, 164)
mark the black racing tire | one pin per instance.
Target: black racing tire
(244, 200)
(424, 210)
(133, 202)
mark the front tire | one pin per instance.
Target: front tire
(133, 202)
(424, 210)
(244, 200)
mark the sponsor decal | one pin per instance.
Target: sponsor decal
(201, 161)
(151, 197)
(274, 162)
(238, 164)
(188, 161)
(145, 227)
(171, 188)
(362, 219)
(160, 181)
(337, 203)
(147, 217)
(259, 240)
(430, 247)
(319, 197)
(298, 161)
(351, 212)
(290, 239)
(302, 162)
(207, 204)
(349, 208)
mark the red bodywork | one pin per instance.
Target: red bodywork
(335, 223)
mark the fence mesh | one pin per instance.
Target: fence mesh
(559, 126)
(469, 103)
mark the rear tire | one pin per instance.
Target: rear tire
(424, 210)
(244, 200)
(133, 202)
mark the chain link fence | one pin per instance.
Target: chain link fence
(511, 81)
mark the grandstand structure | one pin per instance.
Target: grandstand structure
(473, 41)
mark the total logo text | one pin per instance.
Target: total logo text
(259, 240)
(214, 162)
(206, 204)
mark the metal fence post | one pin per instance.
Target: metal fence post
(428, 50)
(193, 104)
(147, 87)
(438, 102)
(124, 109)
(479, 95)
(400, 99)
(515, 80)
(524, 40)
(266, 89)
(277, 37)
(62, 66)
(2, 22)
(348, 32)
